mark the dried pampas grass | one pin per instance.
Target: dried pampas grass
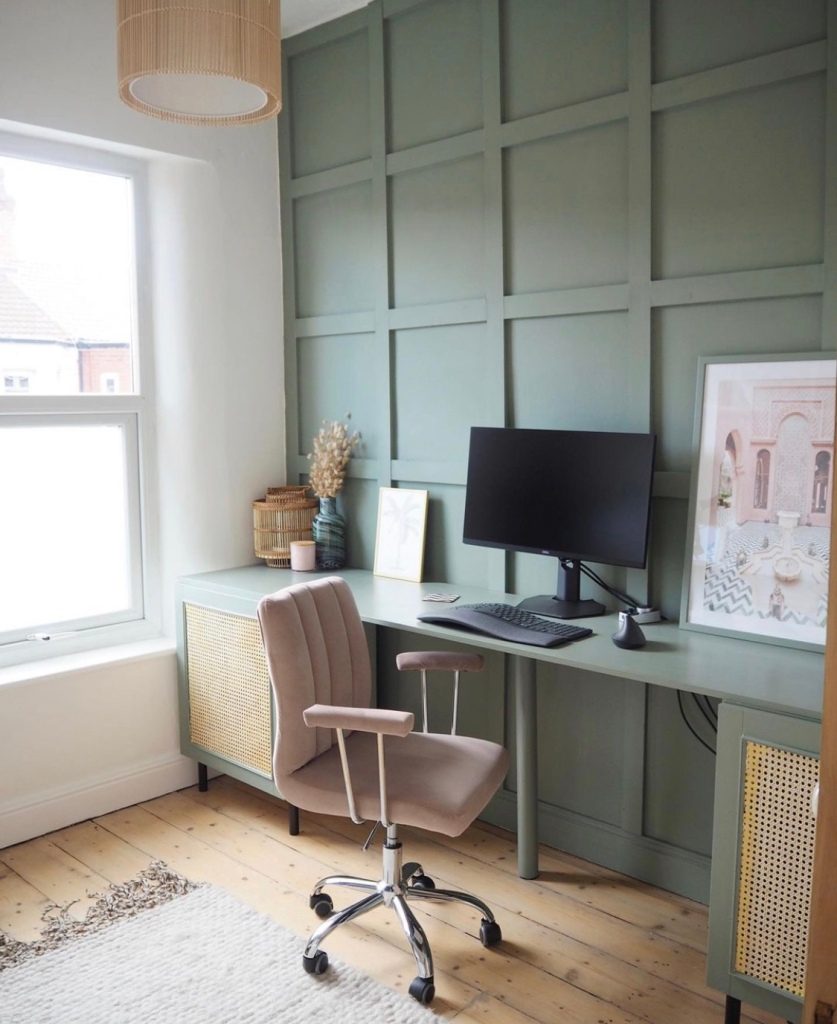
(333, 447)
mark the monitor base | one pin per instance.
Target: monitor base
(555, 608)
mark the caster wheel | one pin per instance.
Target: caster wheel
(408, 870)
(316, 964)
(490, 933)
(423, 882)
(321, 904)
(422, 990)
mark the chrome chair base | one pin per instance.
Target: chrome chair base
(399, 884)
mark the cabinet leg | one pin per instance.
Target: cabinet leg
(293, 820)
(203, 778)
(732, 1010)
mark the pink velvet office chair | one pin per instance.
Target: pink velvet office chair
(378, 769)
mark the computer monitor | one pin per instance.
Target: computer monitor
(580, 496)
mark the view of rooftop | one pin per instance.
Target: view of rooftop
(66, 279)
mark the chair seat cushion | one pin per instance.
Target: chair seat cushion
(434, 781)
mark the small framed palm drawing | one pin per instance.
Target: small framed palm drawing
(399, 541)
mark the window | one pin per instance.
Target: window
(726, 474)
(71, 518)
(822, 469)
(19, 382)
(762, 484)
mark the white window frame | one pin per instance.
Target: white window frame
(134, 412)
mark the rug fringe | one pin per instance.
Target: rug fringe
(155, 885)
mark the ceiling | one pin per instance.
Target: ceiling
(298, 15)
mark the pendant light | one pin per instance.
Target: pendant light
(201, 62)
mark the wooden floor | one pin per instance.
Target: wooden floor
(581, 944)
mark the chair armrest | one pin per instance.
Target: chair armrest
(378, 720)
(442, 661)
(375, 720)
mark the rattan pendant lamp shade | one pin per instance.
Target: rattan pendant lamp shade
(203, 62)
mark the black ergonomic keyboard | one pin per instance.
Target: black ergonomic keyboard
(505, 622)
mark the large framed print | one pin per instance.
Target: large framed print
(758, 539)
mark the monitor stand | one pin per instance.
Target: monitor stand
(566, 604)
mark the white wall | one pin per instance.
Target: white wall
(76, 740)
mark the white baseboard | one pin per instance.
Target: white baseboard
(25, 819)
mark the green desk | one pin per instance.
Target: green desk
(748, 674)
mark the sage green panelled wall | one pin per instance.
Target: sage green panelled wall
(540, 213)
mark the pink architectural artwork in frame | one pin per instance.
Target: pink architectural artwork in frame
(761, 503)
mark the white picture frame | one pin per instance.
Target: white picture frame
(758, 538)
(400, 534)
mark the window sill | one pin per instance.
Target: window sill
(67, 664)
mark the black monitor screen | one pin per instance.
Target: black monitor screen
(575, 494)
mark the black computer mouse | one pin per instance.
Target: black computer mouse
(629, 636)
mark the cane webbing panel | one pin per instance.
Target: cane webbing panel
(776, 861)
(229, 688)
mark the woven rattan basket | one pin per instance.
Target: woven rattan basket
(285, 514)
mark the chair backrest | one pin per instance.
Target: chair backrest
(316, 654)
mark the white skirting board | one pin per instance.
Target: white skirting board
(62, 806)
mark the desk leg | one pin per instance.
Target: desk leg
(526, 733)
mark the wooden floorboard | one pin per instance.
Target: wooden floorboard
(21, 906)
(58, 876)
(581, 943)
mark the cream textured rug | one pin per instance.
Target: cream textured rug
(201, 957)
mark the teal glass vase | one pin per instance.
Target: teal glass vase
(329, 532)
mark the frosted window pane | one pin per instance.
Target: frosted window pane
(64, 530)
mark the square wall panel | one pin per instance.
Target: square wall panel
(581, 746)
(679, 774)
(690, 36)
(576, 373)
(358, 501)
(336, 376)
(438, 394)
(682, 333)
(446, 557)
(436, 233)
(666, 552)
(433, 72)
(566, 210)
(557, 54)
(333, 251)
(739, 181)
(329, 105)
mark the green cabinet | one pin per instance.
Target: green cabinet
(226, 707)
(762, 858)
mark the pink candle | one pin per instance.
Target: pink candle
(303, 555)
